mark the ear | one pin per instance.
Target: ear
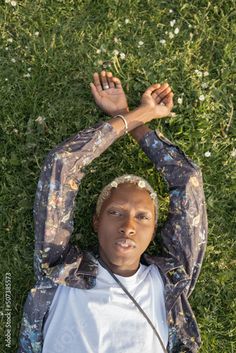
(95, 223)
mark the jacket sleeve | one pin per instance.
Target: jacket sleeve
(57, 188)
(184, 234)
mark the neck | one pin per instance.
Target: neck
(120, 270)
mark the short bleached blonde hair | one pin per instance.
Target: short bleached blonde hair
(127, 178)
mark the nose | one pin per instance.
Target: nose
(127, 228)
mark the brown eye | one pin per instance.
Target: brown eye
(114, 212)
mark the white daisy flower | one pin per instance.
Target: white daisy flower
(114, 184)
(15, 131)
(122, 56)
(116, 40)
(98, 51)
(233, 153)
(13, 60)
(141, 184)
(205, 73)
(13, 3)
(36, 34)
(198, 73)
(9, 40)
(204, 85)
(170, 11)
(201, 97)
(29, 69)
(40, 120)
(26, 75)
(171, 35)
(6, 79)
(172, 23)
(162, 41)
(127, 21)
(140, 43)
(180, 100)
(207, 154)
(6, 48)
(115, 52)
(176, 31)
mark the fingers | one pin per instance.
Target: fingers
(161, 93)
(151, 89)
(110, 80)
(117, 82)
(104, 80)
(97, 82)
(168, 100)
(95, 92)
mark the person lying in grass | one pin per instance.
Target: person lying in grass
(78, 303)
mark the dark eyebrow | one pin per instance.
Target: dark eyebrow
(144, 210)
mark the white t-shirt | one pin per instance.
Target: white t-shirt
(104, 319)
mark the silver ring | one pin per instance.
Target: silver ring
(106, 87)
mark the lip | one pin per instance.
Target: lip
(125, 244)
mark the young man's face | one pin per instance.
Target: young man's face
(125, 226)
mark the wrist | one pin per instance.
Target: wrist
(120, 111)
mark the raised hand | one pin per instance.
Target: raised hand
(108, 93)
(159, 97)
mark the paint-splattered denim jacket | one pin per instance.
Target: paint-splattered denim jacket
(57, 261)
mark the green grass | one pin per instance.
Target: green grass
(59, 61)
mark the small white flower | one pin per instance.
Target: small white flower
(201, 97)
(176, 31)
(29, 69)
(9, 40)
(6, 48)
(36, 34)
(127, 21)
(141, 184)
(162, 41)
(6, 79)
(98, 51)
(233, 153)
(122, 56)
(13, 3)
(204, 85)
(40, 120)
(207, 154)
(15, 131)
(172, 23)
(116, 52)
(171, 35)
(180, 100)
(140, 43)
(116, 40)
(26, 75)
(114, 184)
(13, 60)
(198, 73)
(170, 11)
(206, 73)
(189, 26)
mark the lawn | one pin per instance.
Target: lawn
(49, 50)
